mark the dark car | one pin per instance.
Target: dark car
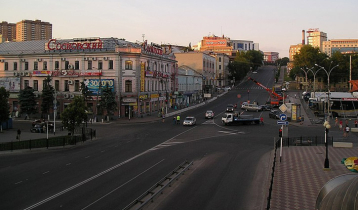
(265, 107)
(275, 114)
(37, 129)
(230, 108)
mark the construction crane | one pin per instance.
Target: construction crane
(275, 98)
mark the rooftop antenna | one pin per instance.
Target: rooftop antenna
(143, 35)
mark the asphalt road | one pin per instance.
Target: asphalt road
(231, 163)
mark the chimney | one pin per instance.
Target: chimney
(303, 37)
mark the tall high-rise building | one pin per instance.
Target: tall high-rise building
(315, 37)
(28, 30)
(7, 31)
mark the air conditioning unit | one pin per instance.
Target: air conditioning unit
(2, 60)
(105, 58)
(63, 59)
(67, 95)
(16, 74)
(94, 58)
(72, 96)
(23, 60)
(22, 73)
(27, 73)
(39, 60)
(85, 59)
(70, 66)
(70, 82)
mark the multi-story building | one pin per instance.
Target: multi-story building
(142, 77)
(7, 31)
(222, 70)
(271, 57)
(315, 37)
(202, 63)
(243, 45)
(294, 49)
(190, 86)
(28, 30)
(345, 46)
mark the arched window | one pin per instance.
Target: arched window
(128, 65)
(128, 86)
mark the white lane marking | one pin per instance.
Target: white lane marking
(68, 164)
(122, 185)
(87, 157)
(46, 172)
(226, 132)
(98, 175)
(18, 182)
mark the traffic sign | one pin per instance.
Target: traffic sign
(282, 122)
(283, 108)
(283, 116)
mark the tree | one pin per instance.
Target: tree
(86, 92)
(108, 100)
(4, 106)
(283, 61)
(27, 101)
(74, 114)
(255, 58)
(47, 96)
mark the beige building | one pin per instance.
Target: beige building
(345, 46)
(29, 30)
(7, 31)
(315, 38)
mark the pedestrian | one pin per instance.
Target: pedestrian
(163, 117)
(336, 121)
(18, 134)
(346, 131)
(340, 125)
(261, 121)
(355, 123)
(178, 119)
(174, 120)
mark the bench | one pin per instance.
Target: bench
(299, 142)
(354, 130)
(343, 144)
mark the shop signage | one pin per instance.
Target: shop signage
(53, 44)
(94, 85)
(67, 73)
(152, 48)
(129, 100)
(41, 73)
(143, 97)
(220, 42)
(142, 77)
(148, 73)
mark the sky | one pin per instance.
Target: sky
(274, 25)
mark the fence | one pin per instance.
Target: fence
(57, 141)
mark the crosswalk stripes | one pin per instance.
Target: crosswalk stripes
(252, 88)
(209, 122)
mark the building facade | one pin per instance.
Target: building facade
(28, 30)
(271, 57)
(141, 77)
(190, 86)
(315, 37)
(345, 46)
(7, 31)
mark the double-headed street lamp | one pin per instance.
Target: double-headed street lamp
(328, 75)
(314, 78)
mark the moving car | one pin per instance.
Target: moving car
(275, 114)
(209, 114)
(189, 120)
(251, 107)
(265, 107)
(230, 108)
(227, 88)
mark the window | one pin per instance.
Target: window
(57, 85)
(128, 86)
(77, 85)
(15, 66)
(26, 65)
(110, 64)
(89, 65)
(67, 63)
(100, 65)
(36, 65)
(57, 65)
(219, 59)
(67, 87)
(36, 85)
(26, 83)
(77, 65)
(45, 65)
(219, 67)
(128, 65)
(6, 66)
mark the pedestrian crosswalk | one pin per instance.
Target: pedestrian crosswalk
(251, 88)
(211, 121)
(164, 145)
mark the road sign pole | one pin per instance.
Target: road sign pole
(281, 144)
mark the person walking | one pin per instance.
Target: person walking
(356, 123)
(163, 117)
(340, 125)
(336, 120)
(346, 131)
(261, 121)
(174, 120)
(178, 119)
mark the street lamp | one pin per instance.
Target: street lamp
(314, 78)
(328, 75)
(327, 126)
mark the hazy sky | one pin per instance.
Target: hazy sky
(275, 24)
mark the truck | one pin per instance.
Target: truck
(235, 118)
(276, 98)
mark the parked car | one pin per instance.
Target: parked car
(265, 107)
(230, 108)
(189, 120)
(227, 88)
(37, 129)
(274, 113)
(251, 107)
(209, 114)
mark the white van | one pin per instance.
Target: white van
(251, 107)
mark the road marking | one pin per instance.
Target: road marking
(18, 182)
(227, 132)
(122, 185)
(68, 164)
(87, 157)
(208, 122)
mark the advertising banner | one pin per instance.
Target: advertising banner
(94, 85)
(10, 84)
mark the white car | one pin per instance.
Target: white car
(209, 114)
(227, 88)
(189, 120)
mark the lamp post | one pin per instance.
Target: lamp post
(328, 75)
(327, 126)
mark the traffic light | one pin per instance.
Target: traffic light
(280, 133)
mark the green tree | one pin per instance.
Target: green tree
(74, 114)
(47, 97)
(255, 58)
(282, 61)
(4, 106)
(108, 100)
(27, 101)
(86, 92)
